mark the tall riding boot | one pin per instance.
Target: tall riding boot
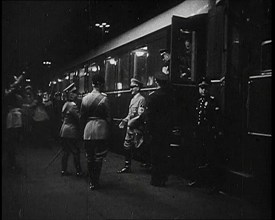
(90, 166)
(127, 166)
(77, 165)
(64, 163)
(97, 171)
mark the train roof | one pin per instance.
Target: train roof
(187, 8)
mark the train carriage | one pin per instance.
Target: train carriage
(230, 44)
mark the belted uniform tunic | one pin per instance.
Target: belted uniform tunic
(95, 113)
(136, 108)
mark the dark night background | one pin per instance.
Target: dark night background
(61, 31)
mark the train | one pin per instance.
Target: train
(230, 44)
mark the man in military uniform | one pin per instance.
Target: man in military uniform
(207, 111)
(159, 121)
(165, 56)
(206, 131)
(133, 139)
(95, 121)
(69, 132)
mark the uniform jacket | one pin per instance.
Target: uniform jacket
(95, 116)
(70, 126)
(207, 113)
(160, 113)
(136, 107)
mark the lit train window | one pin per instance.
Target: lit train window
(123, 72)
(110, 73)
(266, 56)
(71, 76)
(81, 81)
(139, 64)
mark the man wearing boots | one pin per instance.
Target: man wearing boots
(95, 120)
(159, 121)
(69, 132)
(207, 129)
(132, 138)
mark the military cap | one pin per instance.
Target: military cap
(70, 88)
(28, 87)
(162, 51)
(204, 82)
(98, 80)
(135, 82)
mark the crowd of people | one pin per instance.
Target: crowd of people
(31, 118)
(35, 119)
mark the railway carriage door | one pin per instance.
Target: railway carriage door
(188, 48)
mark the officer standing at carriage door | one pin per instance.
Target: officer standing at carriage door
(136, 109)
(206, 122)
(69, 131)
(206, 132)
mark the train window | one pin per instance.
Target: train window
(184, 55)
(71, 76)
(139, 64)
(154, 60)
(92, 69)
(81, 76)
(266, 56)
(123, 72)
(110, 73)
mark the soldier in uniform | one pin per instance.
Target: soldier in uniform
(133, 139)
(95, 119)
(69, 132)
(159, 121)
(165, 56)
(206, 131)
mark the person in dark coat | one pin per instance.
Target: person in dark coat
(159, 121)
(95, 120)
(207, 130)
(70, 132)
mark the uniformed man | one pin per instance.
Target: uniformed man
(95, 120)
(207, 111)
(165, 56)
(69, 131)
(133, 138)
(206, 131)
(159, 121)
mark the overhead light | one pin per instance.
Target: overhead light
(140, 53)
(112, 61)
